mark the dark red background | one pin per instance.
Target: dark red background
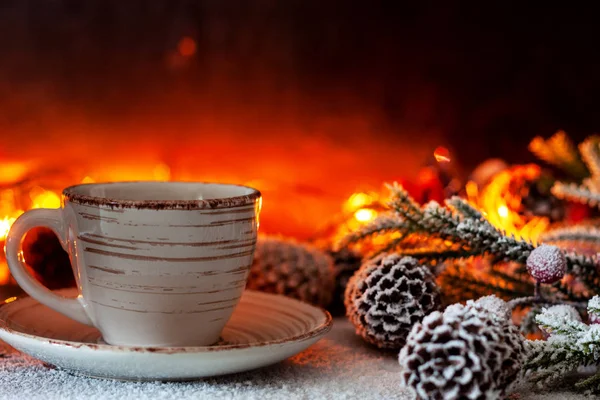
(314, 98)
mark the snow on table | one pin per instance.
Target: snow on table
(341, 366)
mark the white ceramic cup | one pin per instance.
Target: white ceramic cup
(156, 263)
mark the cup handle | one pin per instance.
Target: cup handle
(49, 218)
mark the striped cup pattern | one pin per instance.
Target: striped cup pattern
(161, 276)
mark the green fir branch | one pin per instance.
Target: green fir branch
(560, 326)
(467, 232)
(590, 153)
(576, 193)
(591, 384)
(440, 221)
(594, 306)
(404, 205)
(439, 255)
(548, 363)
(585, 268)
(465, 209)
(588, 192)
(559, 151)
(571, 344)
(572, 234)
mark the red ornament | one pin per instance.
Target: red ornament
(547, 264)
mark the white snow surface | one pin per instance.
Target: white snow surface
(564, 311)
(341, 366)
(594, 304)
(494, 305)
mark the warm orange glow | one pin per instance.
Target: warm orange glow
(359, 209)
(501, 199)
(472, 190)
(4, 275)
(358, 200)
(427, 175)
(503, 211)
(37, 197)
(5, 225)
(365, 215)
(12, 172)
(45, 199)
(442, 154)
(187, 47)
(305, 176)
(162, 172)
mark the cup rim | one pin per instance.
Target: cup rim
(251, 198)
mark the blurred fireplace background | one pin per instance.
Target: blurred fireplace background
(308, 101)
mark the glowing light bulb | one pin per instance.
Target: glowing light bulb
(365, 215)
(503, 211)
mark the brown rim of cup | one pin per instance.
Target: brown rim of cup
(225, 202)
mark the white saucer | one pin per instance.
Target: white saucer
(263, 330)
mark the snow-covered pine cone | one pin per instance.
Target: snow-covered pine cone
(345, 263)
(470, 351)
(283, 266)
(387, 296)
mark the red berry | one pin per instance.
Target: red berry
(547, 264)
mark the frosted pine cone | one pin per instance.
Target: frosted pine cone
(285, 267)
(494, 305)
(466, 352)
(510, 369)
(387, 296)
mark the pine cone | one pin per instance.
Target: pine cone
(285, 267)
(345, 263)
(467, 352)
(387, 296)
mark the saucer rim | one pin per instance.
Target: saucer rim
(318, 331)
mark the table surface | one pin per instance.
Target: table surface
(339, 366)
